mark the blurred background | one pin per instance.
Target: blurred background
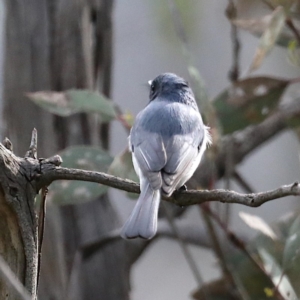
(145, 50)
(133, 42)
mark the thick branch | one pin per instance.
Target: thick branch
(18, 209)
(245, 141)
(190, 236)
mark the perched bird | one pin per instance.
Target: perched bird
(167, 141)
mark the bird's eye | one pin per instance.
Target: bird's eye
(152, 87)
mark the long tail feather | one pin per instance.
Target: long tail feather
(143, 219)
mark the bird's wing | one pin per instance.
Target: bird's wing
(149, 155)
(169, 151)
(183, 157)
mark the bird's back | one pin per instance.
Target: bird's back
(169, 119)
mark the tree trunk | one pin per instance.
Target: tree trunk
(18, 234)
(48, 48)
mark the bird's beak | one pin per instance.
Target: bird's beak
(150, 82)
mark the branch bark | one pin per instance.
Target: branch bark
(181, 198)
(18, 224)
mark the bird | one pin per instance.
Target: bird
(167, 141)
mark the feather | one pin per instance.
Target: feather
(143, 219)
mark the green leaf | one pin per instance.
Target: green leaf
(248, 101)
(74, 101)
(269, 37)
(292, 245)
(294, 53)
(215, 290)
(277, 275)
(74, 192)
(258, 223)
(248, 277)
(122, 166)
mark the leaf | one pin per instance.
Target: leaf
(258, 26)
(248, 101)
(292, 245)
(258, 223)
(249, 279)
(269, 37)
(122, 166)
(217, 290)
(277, 275)
(287, 4)
(294, 53)
(74, 192)
(74, 101)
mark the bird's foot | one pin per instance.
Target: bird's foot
(183, 188)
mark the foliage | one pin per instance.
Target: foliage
(74, 101)
(280, 258)
(248, 101)
(74, 192)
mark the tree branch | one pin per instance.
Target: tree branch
(181, 198)
(244, 142)
(248, 139)
(186, 230)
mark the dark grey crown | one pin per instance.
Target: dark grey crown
(170, 87)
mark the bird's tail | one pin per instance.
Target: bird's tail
(143, 219)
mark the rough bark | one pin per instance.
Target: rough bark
(11, 247)
(18, 226)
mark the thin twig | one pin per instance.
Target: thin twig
(292, 27)
(218, 252)
(120, 117)
(41, 225)
(8, 144)
(229, 170)
(32, 152)
(289, 22)
(186, 231)
(188, 256)
(90, 248)
(231, 13)
(242, 182)
(11, 280)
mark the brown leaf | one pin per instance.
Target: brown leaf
(269, 37)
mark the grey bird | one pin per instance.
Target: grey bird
(167, 142)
